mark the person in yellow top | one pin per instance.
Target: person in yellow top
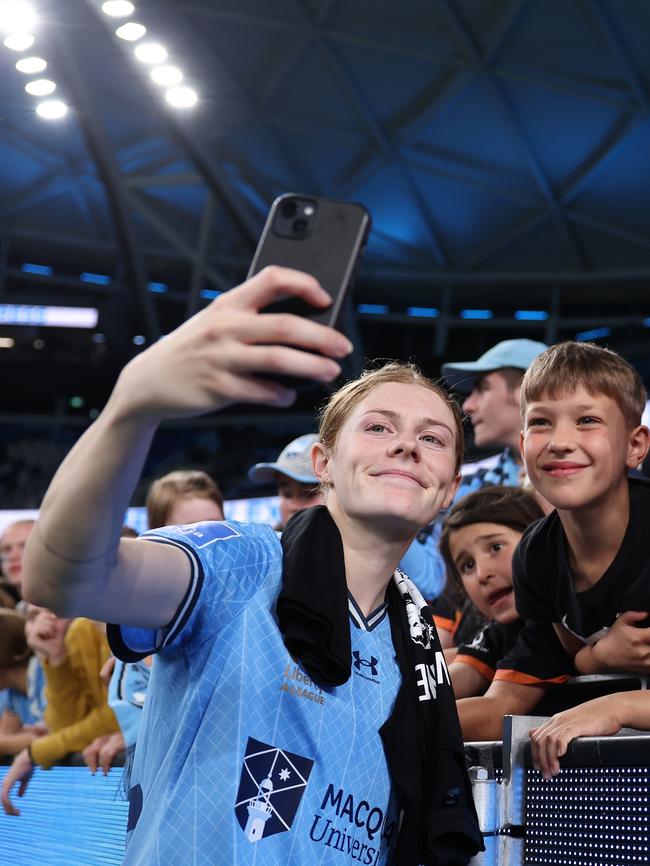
(72, 655)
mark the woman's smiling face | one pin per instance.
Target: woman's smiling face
(394, 458)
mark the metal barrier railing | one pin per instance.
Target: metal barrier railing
(597, 811)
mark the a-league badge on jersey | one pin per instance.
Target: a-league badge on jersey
(271, 786)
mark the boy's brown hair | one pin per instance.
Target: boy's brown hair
(564, 367)
(505, 506)
(180, 484)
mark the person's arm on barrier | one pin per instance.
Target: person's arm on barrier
(21, 770)
(14, 736)
(466, 681)
(481, 718)
(625, 648)
(46, 750)
(597, 718)
(76, 563)
(10, 723)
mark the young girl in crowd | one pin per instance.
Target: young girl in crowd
(477, 543)
(303, 711)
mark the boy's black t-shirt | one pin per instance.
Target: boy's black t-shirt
(544, 585)
(538, 650)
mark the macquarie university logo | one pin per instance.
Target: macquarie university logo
(271, 786)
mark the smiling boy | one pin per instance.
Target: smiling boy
(586, 567)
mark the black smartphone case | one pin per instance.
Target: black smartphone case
(330, 252)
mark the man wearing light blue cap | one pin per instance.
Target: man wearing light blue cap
(293, 475)
(492, 384)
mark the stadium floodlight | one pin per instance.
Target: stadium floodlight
(181, 97)
(118, 8)
(151, 52)
(16, 16)
(131, 31)
(19, 41)
(166, 76)
(31, 65)
(40, 87)
(52, 109)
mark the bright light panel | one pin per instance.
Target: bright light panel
(151, 52)
(16, 16)
(48, 317)
(19, 41)
(7, 342)
(31, 65)
(131, 31)
(166, 76)
(52, 109)
(181, 97)
(118, 8)
(40, 87)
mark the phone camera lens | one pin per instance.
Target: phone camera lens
(289, 209)
(300, 226)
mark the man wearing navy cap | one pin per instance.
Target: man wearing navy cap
(294, 477)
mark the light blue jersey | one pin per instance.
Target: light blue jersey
(29, 707)
(126, 693)
(241, 759)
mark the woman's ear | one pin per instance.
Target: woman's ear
(320, 459)
(449, 498)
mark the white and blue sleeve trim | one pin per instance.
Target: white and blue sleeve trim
(132, 644)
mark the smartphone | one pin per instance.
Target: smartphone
(324, 238)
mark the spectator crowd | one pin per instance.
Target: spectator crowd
(536, 572)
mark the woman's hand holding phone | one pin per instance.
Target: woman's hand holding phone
(219, 356)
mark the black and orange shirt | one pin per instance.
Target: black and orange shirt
(488, 646)
(461, 620)
(514, 652)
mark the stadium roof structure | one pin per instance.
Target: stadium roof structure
(500, 145)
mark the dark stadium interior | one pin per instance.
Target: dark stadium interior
(501, 147)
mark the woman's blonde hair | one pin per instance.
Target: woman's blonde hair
(337, 409)
(180, 484)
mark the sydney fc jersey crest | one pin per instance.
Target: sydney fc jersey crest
(271, 786)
